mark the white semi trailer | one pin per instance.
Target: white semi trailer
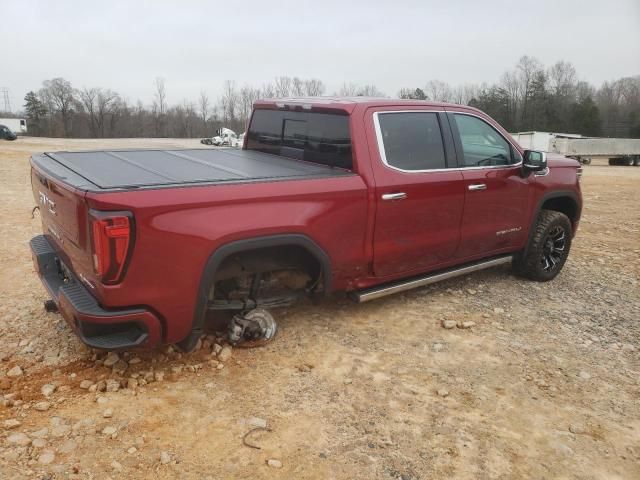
(619, 151)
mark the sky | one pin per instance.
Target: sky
(197, 45)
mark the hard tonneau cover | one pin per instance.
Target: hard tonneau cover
(126, 169)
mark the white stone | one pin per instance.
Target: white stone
(20, 439)
(42, 406)
(15, 372)
(225, 353)
(46, 457)
(48, 389)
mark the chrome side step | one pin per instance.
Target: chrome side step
(391, 288)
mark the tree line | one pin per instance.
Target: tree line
(528, 97)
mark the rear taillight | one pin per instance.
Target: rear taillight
(112, 238)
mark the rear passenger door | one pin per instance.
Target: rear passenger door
(419, 198)
(497, 194)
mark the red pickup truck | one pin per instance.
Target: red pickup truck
(366, 196)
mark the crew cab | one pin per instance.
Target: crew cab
(366, 196)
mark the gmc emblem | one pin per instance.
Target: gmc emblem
(47, 202)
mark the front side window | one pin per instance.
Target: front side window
(412, 140)
(482, 145)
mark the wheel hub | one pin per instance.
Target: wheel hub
(252, 329)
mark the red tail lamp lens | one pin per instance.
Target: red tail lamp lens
(111, 235)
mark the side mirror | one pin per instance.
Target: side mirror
(534, 161)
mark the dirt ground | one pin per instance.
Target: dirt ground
(545, 385)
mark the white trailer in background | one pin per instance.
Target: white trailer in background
(539, 140)
(619, 151)
(16, 125)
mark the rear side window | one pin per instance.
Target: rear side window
(412, 140)
(322, 138)
(482, 145)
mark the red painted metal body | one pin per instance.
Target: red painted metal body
(368, 241)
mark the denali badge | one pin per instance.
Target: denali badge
(509, 230)
(47, 202)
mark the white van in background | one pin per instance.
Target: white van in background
(17, 125)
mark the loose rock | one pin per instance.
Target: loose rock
(48, 389)
(225, 353)
(46, 457)
(448, 324)
(86, 384)
(443, 392)
(108, 413)
(15, 372)
(42, 406)
(20, 439)
(467, 324)
(272, 462)
(12, 423)
(111, 359)
(165, 458)
(577, 429)
(109, 430)
(257, 422)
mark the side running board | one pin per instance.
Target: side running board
(403, 285)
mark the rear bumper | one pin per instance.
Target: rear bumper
(96, 326)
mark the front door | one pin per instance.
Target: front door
(419, 200)
(497, 194)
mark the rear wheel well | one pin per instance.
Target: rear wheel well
(269, 259)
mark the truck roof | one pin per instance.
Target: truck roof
(126, 169)
(349, 103)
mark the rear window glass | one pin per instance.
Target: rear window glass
(322, 138)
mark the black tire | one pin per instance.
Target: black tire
(548, 248)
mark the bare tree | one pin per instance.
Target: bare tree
(268, 90)
(349, 89)
(438, 91)
(248, 96)
(369, 91)
(106, 103)
(313, 87)
(60, 93)
(562, 76)
(88, 101)
(160, 107)
(283, 86)
(203, 105)
(297, 87)
(229, 101)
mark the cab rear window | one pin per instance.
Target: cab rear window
(322, 138)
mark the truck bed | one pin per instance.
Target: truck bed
(129, 169)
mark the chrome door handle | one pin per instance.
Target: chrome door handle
(394, 196)
(477, 186)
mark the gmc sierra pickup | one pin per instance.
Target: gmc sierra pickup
(366, 196)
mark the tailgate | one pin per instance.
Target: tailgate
(64, 217)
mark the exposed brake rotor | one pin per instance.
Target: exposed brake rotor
(252, 329)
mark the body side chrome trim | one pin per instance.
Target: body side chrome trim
(383, 155)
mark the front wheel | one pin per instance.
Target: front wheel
(548, 248)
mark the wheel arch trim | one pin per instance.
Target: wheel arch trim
(570, 194)
(225, 250)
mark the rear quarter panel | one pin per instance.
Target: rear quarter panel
(177, 229)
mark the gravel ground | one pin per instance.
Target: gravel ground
(543, 384)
